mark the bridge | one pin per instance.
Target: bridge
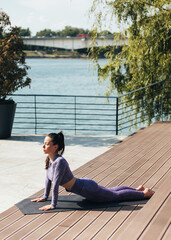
(71, 43)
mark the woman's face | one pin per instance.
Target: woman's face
(48, 147)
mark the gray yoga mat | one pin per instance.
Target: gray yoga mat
(70, 203)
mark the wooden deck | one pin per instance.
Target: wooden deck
(143, 158)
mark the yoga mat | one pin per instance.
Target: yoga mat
(70, 203)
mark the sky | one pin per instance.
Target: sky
(53, 14)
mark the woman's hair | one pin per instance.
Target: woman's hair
(57, 139)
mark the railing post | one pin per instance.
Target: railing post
(35, 115)
(117, 116)
(162, 99)
(75, 108)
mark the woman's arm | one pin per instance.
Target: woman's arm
(47, 187)
(46, 192)
(58, 173)
(46, 195)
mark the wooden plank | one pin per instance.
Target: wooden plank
(7, 213)
(142, 220)
(116, 232)
(59, 232)
(17, 225)
(34, 224)
(167, 234)
(128, 162)
(128, 220)
(48, 226)
(114, 152)
(159, 223)
(95, 226)
(124, 173)
(158, 175)
(114, 223)
(82, 225)
(11, 219)
(151, 170)
(139, 177)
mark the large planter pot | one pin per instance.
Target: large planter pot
(7, 112)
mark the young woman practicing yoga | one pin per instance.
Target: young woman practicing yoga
(58, 172)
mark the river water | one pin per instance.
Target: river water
(75, 115)
(63, 77)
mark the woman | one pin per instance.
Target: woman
(59, 173)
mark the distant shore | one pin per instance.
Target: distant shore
(57, 54)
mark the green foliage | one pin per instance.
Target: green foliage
(24, 32)
(67, 31)
(72, 31)
(12, 59)
(46, 33)
(106, 33)
(145, 56)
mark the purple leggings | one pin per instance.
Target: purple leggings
(92, 191)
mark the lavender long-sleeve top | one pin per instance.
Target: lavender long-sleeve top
(59, 173)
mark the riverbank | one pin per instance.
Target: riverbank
(55, 54)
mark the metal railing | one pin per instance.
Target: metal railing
(41, 114)
(144, 106)
(74, 114)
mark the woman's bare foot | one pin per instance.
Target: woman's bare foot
(148, 193)
(140, 188)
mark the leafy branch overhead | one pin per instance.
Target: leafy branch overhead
(13, 69)
(145, 56)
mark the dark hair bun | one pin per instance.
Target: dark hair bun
(61, 141)
(58, 138)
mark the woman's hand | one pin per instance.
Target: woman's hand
(47, 207)
(38, 200)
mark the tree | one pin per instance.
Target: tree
(106, 33)
(13, 69)
(24, 32)
(46, 33)
(67, 31)
(145, 58)
(72, 31)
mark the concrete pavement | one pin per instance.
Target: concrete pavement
(22, 162)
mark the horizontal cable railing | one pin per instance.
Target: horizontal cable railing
(73, 114)
(41, 114)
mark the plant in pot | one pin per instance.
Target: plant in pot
(13, 72)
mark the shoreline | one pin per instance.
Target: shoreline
(50, 57)
(58, 54)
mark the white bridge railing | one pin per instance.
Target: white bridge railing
(71, 43)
